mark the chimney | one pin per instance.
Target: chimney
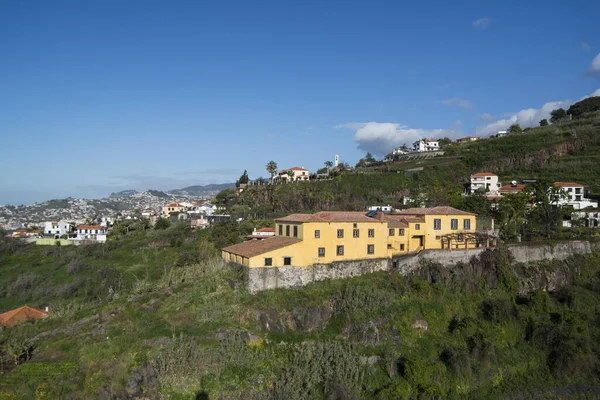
(379, 216)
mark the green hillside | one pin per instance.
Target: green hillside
(155, 314)
(566, 151)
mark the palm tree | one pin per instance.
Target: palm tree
(328, 165)
(290, 174)
(272, 168)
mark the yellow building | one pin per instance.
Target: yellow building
(172, 208)
(305, 239)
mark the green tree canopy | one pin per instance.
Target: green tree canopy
(243, 179)
(515, 128)
(544, 122)
(557, 115)
(590, 104)
(162, 223)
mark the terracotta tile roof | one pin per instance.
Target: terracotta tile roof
(21, 314)
(510, 188)
(413, 218)
(89, 227)
(173, 205)
(567, 184)
(440, 210)
(397, 223)
(484, 174)
(253, 248)
(266, 230)
(329, 216)
(284, 171)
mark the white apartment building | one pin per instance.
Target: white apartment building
(575, 196)
(487, 181)
(589, 218)
(57, 229)
(426, 145)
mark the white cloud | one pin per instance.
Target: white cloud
(486, 117)
(585, 46)
(481, 23)
(457, 102)
(380, 138)
(595, 66)
(527, 117)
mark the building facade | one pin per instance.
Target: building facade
(302, 240)
(298, 174)
(170, 208)
(57, 229)
(426, 145)
(486, 182)
(575, 196)
(91, 232)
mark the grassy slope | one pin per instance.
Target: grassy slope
(172, 318)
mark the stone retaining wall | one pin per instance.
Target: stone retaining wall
(287, 277)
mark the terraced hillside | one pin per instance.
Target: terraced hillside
(567, 151)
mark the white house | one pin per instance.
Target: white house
(426, 145)
(466, 139)
(299, 174)
(502, 133)
(575, 196)
(91, 232)
(262, 233)
(398, 151)
(589, 218)
(106, 222)
(57, 229)
(148, 212)
(486, 181)
(385, 209)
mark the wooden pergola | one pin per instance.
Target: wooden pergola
(477, 239)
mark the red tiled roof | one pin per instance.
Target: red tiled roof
(283, 171)
(510, 188)
(173, 205)
(21, 314)
(266, 230)
(329, 216)
(567, 184)
(440, 210)
(89, 227)
(484, 174)
(397, 223)
(253, 248)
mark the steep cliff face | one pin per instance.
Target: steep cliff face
(520, 162)
(496, 267)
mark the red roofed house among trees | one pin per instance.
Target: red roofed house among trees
(22, 314)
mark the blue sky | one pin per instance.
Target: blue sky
(100, 96)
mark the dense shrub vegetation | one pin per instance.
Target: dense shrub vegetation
(155, 312)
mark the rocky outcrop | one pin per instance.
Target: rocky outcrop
(498, 266)
(300, 319)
